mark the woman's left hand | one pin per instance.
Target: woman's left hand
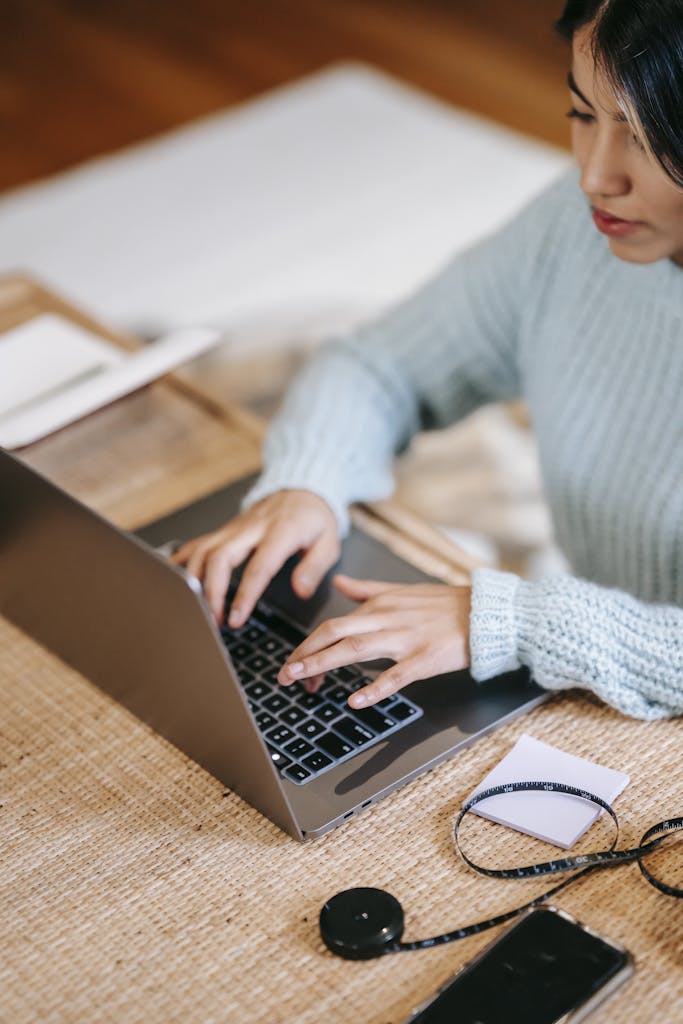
(422, 627)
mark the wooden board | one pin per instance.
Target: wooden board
(148, 453)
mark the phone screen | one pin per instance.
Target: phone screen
(537, 972)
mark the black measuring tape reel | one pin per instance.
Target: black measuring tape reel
(360, 924)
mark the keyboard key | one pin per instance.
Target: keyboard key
(299, 748)
(339, 694)
(333, 745)
(297, 773)
(252, 633)
(402, 711)
(245, 676)
(328, 713)
(258, 663)
(240, 650)
(375, 720)
(275, 703)
(271, 645)
(288, 636)
(353, 731)
(293, 715)
(387, 702)
(257, 690)
(280, 759)
(317, 761)
(309, 700)
(310, 729)
(280, 735)
(347, 675)
(283, 630)
(265, 721)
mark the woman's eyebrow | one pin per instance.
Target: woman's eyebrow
(619, 116)
(571, 82)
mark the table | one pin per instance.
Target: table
(135, 888)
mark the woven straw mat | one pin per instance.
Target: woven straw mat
(135, 888)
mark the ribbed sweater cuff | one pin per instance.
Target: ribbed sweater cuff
(493, 625)
(318, 474)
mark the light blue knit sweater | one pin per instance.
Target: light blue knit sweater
(541, 310)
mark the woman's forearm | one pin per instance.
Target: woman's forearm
(570, 632)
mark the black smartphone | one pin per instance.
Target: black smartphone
(546, 969)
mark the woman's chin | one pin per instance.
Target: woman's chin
(629, 252)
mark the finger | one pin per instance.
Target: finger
(181, 555)
(268, 559)
(352, 649)
(310, 571)
(313, 685)
(361, 590)
(235, 546)
(389, 682)
(217, 572)
(197, 557)
(334, 630)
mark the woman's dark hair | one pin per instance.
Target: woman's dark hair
(638, 45)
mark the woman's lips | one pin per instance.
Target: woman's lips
(615, 227)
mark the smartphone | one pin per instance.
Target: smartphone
(546, 969)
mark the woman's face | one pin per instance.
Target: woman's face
(634, 203)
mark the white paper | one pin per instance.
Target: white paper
(557, 818)
(45, 354)
(92, 379)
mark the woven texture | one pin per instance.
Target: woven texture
(135, 888)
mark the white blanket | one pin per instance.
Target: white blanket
(303, 210)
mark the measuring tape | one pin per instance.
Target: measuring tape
(359, 924)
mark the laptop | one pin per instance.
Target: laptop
(112, 606)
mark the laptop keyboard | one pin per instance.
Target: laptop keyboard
(306, 733)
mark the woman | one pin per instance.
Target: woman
(577, 306)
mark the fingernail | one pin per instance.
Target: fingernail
(235, 618)
(295, 669)
(358, 700)
(305, 584)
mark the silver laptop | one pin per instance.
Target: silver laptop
(111, 605)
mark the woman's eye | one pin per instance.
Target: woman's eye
(579, 115)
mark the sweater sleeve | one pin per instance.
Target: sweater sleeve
(570, 632)
(425, 364)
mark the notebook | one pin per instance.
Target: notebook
(557, 818)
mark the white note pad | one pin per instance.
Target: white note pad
(46, 354)
(557, 818)
(53, 372)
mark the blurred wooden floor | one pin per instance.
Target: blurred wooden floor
(83, 77)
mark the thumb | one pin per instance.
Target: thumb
(360, 590)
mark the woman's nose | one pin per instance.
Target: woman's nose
(603, 169)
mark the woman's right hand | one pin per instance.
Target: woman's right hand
(270, 531)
